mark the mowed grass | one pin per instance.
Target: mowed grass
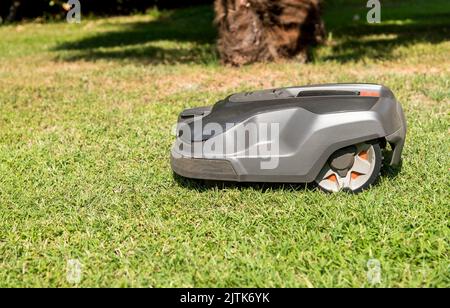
(85, 133)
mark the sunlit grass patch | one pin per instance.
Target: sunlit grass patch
(85, 135)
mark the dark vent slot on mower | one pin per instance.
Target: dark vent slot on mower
(326, 93)
(201, 111)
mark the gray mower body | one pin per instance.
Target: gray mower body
(313, 122)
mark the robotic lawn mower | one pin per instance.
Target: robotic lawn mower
(329, 134)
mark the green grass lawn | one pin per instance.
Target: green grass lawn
(85, 133)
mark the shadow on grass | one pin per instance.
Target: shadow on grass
(160, 41)
(391, 172)
(404, 27)
(387, 171)
(205, 185)
(188, 35)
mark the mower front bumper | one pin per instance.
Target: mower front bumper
(199, 168)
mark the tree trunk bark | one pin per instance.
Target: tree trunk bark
(267, 30)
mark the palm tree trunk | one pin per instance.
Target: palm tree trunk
(267, 30)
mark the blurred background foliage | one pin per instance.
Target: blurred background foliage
(15, 10)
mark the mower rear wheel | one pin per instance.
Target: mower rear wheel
(352, 169)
